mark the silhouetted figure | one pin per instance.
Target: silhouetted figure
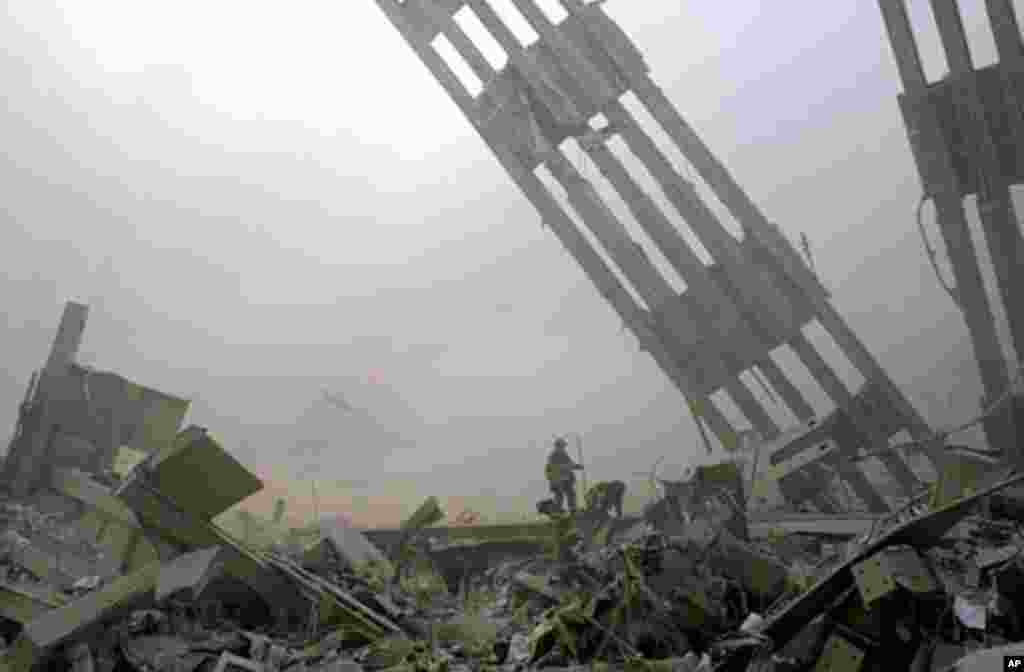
(559, 472)
(606, 497)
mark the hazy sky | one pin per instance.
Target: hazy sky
(263, 200)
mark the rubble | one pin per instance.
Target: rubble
(134, 571)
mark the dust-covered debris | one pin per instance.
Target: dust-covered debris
(132, 572)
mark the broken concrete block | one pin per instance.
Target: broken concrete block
(78, 619)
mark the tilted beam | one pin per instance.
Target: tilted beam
(756, 296)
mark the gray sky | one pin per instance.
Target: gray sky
(264, 200)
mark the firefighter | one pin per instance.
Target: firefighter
(561, 479)
(606, 497)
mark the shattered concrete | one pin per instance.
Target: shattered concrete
(101, 572)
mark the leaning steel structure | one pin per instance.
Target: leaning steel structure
(566, 88)
(966, 131)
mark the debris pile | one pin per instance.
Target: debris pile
(129, 571)
(195, 595)
(691, 597)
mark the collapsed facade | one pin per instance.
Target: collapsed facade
(75, 417)
(90, 539)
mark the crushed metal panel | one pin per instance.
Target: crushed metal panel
(195, 454)
(873, 579)
(924, 531)
(86, 614)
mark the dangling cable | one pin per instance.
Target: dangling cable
(930, 251)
